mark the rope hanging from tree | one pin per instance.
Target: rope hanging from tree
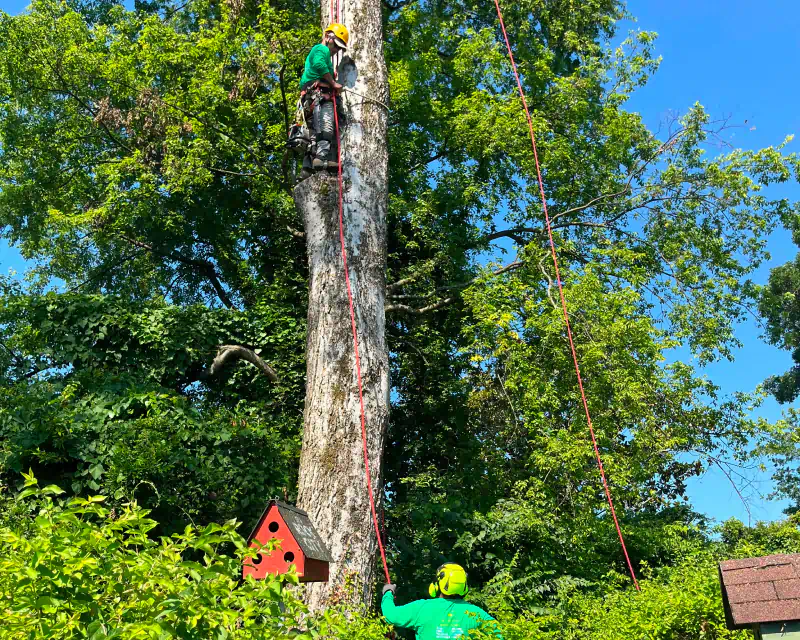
(335, 12)
(563, 299)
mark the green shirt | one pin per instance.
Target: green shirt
(435, 619)
(318, 63)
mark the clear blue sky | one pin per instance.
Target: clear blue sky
(739, 59)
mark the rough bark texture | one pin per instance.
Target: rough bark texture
(332, 484)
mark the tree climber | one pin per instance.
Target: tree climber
(447, 616)
(318, 91)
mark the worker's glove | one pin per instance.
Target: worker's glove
(389, 587)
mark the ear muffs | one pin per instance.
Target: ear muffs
(433, 587)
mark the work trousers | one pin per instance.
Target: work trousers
(318, 104)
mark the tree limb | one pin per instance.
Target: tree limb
(397, 5)
(446, 301)
(431, 307)
(512, 233)
(17, 358)
(204, 265)
(404, 281)
(427, 161)
(228, 353)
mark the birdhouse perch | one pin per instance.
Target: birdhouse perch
(300, 545)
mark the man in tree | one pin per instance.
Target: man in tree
(318, 88)
(445, 616)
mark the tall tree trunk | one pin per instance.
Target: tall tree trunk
(332, 483)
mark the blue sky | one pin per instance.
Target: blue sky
(739, 59)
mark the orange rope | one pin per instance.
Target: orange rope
(563, 299)
(355, 329)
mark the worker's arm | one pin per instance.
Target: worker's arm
(331, 82)
(405, 616)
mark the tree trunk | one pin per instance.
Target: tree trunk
(332, 482)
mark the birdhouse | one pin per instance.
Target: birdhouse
(763, 594)
(300, 545)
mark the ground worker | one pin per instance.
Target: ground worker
(447, 616)
(318, 91)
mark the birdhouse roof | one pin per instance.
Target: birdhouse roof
(301, 528)
(760, 590)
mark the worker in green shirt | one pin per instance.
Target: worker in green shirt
(447, 616)
(318, 91)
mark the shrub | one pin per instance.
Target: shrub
(83, 570)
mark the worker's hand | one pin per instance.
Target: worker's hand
(337, 87)
(389, 587)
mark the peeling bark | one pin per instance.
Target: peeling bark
(332, 483)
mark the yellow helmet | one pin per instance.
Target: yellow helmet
(451, 580)
(341, 33)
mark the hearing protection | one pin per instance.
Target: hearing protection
(451, 580)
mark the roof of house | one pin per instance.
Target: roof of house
(300, 525)
(758, 590)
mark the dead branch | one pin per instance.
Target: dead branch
(228, 353)
(431, 307)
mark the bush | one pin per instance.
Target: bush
(678, 602)
(77, 569)
(83, 570)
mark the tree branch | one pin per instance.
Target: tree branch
(234, 173)
(17, 358)
(228, 353)
(512, 233)
(397, 5)
(427, 161)
(204, 265)
(431, 307)
(404, 281)
(452, 287)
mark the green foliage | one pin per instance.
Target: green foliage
(143, 169)
(85, 570)
(780, 309)
(681, 600)
(119, 409)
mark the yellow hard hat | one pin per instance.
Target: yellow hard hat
(451, 580)
(341, 33)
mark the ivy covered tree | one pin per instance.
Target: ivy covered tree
(157, 348)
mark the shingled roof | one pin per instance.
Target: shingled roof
(760, 590)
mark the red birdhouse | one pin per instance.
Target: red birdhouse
(300, 544)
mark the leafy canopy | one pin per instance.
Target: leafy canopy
(144, 171)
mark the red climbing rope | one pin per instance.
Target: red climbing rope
(355, 330)
(563, 300)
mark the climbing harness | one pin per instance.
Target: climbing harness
(315, 104)
(563, 299)
(299, 134)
